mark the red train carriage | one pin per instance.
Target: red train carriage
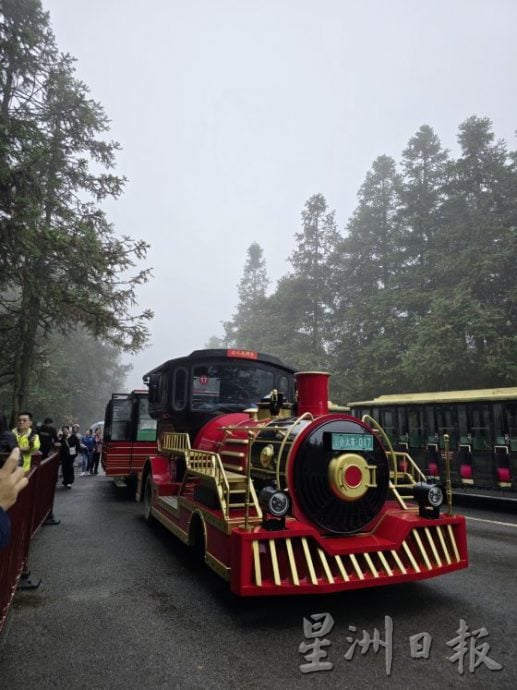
(129, 436)
(283, 498)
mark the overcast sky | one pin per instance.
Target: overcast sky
(232, 113)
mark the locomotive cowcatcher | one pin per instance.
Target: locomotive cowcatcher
(278, 494)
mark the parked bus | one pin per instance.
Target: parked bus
(129, 436)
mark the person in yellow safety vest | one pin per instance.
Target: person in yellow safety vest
(28, 441)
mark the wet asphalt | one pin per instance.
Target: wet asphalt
(121, 605)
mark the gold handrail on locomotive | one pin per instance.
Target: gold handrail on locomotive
(395, 455)
(305, 415)
(209, 464)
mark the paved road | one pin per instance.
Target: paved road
(121, 606)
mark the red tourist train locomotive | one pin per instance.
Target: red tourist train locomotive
(281, 497)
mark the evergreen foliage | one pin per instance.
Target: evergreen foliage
(61, 267)
(419, 292)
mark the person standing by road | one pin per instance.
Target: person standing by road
(28, 440)
(89, 442)
(97, 450)
(75, 443)
(66, 458)
(47, 436)
(7, 439)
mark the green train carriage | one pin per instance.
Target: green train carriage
(481, 426)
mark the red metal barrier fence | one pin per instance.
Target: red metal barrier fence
(33, 506)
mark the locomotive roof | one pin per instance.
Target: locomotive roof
(230, 354)
(481, 394)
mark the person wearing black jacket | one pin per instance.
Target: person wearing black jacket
(7, 438)
(47, 436)
(68, 453)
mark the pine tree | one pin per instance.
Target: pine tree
(425, 172)
(245, 329)
(315, 245)
(63, 263)
(469, 332)
(368, 312)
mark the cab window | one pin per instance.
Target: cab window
(229, 386)
(179, 389)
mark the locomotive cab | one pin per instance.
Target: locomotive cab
(186, 393)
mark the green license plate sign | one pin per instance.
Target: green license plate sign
(352, 441)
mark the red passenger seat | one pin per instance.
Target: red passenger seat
(466, 471)
(503, 474)
(432, 469)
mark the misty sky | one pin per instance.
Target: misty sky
(232, 113)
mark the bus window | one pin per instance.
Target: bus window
(146, 426)
(480, 427)
(179, 389)
(121, 428)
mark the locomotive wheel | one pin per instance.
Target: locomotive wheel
(148, 496)
(197, 540)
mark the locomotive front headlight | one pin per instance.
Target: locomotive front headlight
(435, 496)
(274, 501)
(429, 497)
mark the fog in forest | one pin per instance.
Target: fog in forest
(232, 113)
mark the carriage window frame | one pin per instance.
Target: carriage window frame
(430, 424)
(447, 423)
(481, 421)
(180, 389)
(416, 432)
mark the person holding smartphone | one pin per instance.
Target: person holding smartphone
(12, 481)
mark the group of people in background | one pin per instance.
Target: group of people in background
(75, 449)
(18, 445)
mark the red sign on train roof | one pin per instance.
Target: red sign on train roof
(243, 354)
